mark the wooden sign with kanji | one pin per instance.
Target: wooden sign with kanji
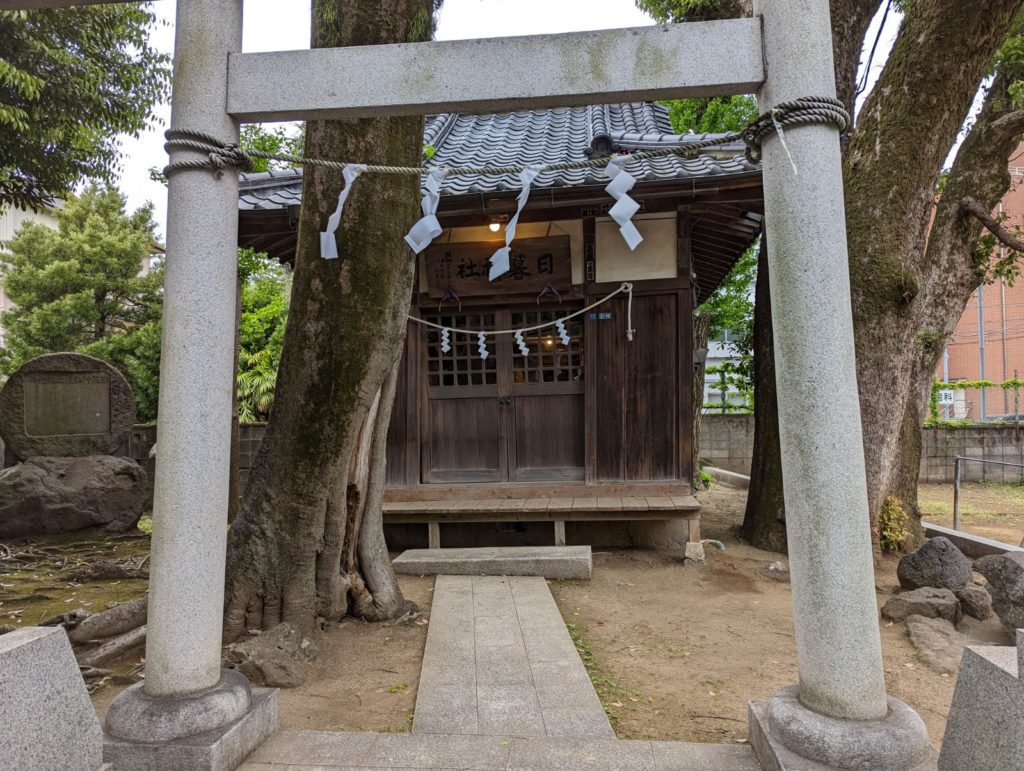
(534, 264)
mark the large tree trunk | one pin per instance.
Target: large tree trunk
(891, 169)
(764, 521)
(308, 541)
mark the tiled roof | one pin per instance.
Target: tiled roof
(535, 137)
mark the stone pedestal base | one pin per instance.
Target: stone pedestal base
(224, 747)
(787, 736)
(46, 719)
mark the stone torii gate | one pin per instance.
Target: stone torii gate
(839, 714)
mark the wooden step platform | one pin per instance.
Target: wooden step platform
(543, 561)
(557, 510)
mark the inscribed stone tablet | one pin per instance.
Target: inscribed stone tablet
(66, 405)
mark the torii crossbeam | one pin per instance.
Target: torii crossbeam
(839, 714)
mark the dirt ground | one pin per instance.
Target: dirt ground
(674, 651)
(679, 650)
(992, 510)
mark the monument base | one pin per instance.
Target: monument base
(46, 718)
(899, 741)
(220, 749)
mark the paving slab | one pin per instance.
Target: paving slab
(499, 661)
(545, 561)
(502, 686)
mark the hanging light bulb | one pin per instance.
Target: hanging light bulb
(495, 227)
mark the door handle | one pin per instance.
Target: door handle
(505, 401)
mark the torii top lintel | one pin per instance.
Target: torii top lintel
(489, 75)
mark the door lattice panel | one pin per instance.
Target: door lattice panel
(462, 365)
(549, 361)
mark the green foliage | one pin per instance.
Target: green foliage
(278, 141)
(935, 420)
(265, 293)
(705, 479)
(709, 116)
(71, 81)
(892, 525)
(78, 288)
(731, 309)
(688, 10)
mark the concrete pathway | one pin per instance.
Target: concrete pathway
(502, 686)
(499, 662)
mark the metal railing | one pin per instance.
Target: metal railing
(957, 460)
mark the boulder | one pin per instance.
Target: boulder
(938, 563)
(975, 601)
(278, 657)
(1005, 576)
(59, 495)
(938, 643)
(928, 602)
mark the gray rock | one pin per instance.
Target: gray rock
(59, 495)
(277, 657)
(926, 601)
(975, 601)
(1005, 576)
(938, 643)
(776, 571)
(938, 563)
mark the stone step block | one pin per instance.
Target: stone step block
(545, 561)
(348, 750)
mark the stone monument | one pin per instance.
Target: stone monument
(63, 418)
(66, 405)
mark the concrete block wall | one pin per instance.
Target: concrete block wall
(990, 441)
(727, 442)
(143, 437)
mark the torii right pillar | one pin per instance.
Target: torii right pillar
(839, 714)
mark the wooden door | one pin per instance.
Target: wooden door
(463, 431)
(508, 417)
(547, 428)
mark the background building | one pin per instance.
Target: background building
(988, 342)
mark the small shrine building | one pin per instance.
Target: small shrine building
(572, 423)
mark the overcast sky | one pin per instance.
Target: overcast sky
(277, 25)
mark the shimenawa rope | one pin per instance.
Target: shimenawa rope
(804, 111)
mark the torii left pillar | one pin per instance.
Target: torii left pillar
(189, 712)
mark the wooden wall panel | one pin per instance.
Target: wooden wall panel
(464, 441)
(548, 437)
(651, 396)
(636, 423)
(403, 450)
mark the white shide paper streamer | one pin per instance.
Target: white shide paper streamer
(328, 240)
(500, 259)
(562, 333)
(524, 349)
(625, 207)
(427, 228)
(481, 344)
(446, 340)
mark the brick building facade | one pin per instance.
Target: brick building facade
(988, 342)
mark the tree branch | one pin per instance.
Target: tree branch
(974, 208)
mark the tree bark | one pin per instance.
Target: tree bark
(301, 547)
(764, 520)
(891, 169)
